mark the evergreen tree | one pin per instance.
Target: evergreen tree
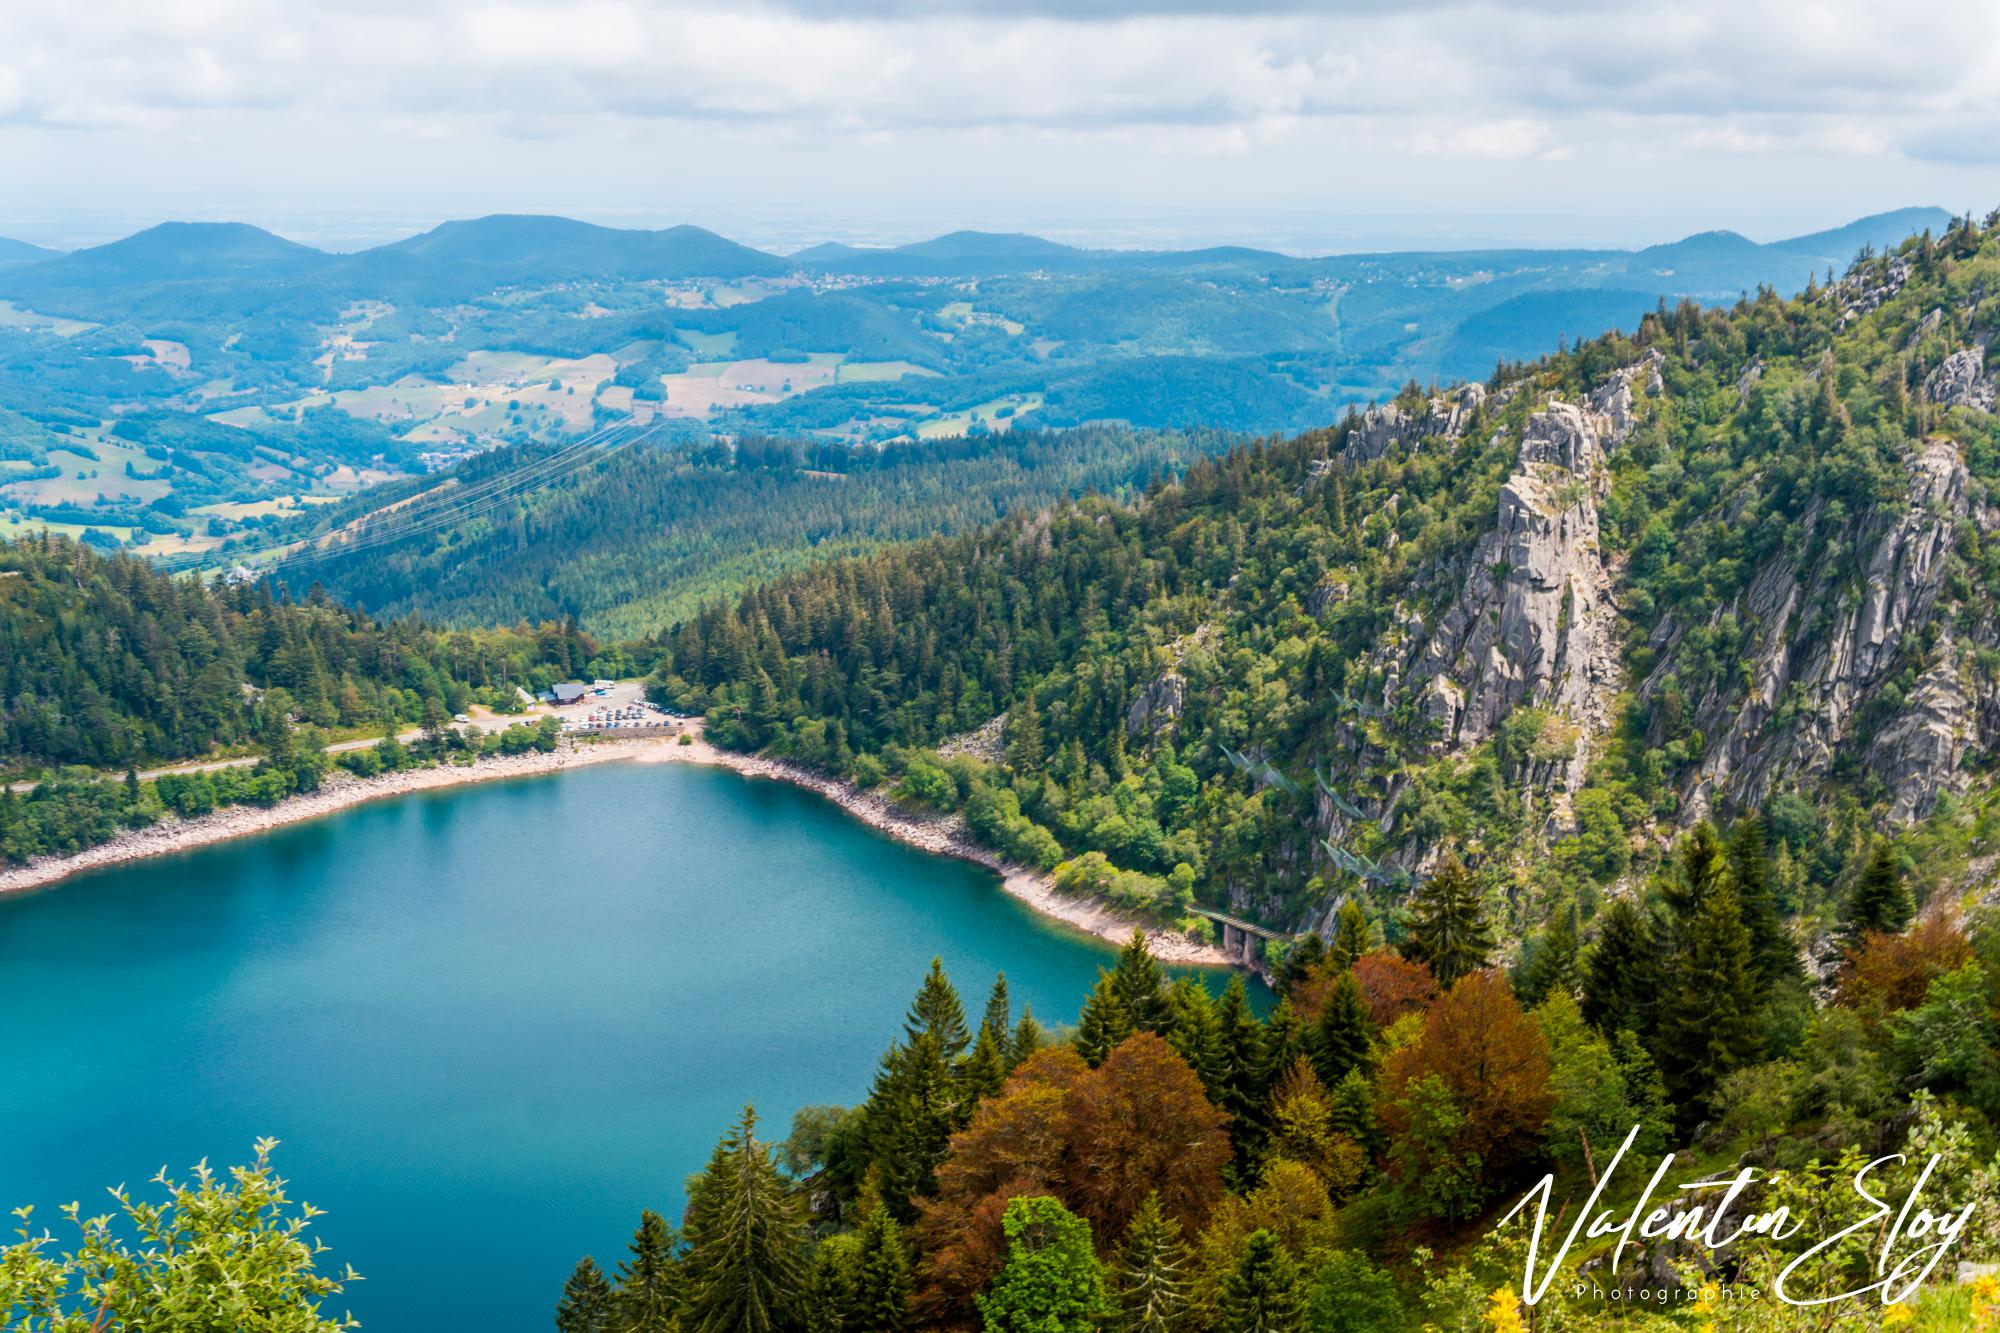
(1350, 935)
(1140, 986)
(828, 1293)
(648, 1296)
(1621, 975)
(1351, 1111)
(982, 1072)
(1024, 736)
(1704, 868)
(1777, 956)
(1104, 1021)
(1263, 1294)
(1194, 1030)
(912, 1110)
(1710, 1019)
(1301, 958)
(586, 1301)
(1149, 1282)
(746, 1238)
(1029, 1037)
(999, 1014)
(1284, 1041)
(1051, 1281)
(937, 1010)
(878, 1289)
(1551, 965)
(1243, 1057)
(1343, 1037)
(1880, 901)
(1448, 926)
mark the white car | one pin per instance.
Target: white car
(460, 717)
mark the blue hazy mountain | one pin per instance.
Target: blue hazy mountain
(20, 252)
(513, 245)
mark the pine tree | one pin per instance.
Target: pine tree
(878, 1289)
(981, 1073)
(1704, 867)
(1300, 959)
(648, 1296)
(1551, 965)
(1140, 986)
(912, 1110)
(746, 1238)
(1351, 1111)
(1149, 1282)
(1024, 736)
(1263, 1294)
(999, 1014)
(1350, 935)
(828, 1292)
(586, 1301)
(1194, 1030)
(1448, 927)
(1029, 1037)
(937, 1010)
(1343, 1037)
(1880, 901)
(1710, 1020)
(1621, 975)
(1243, 1056)
(1750, 869)
(1104, 1022)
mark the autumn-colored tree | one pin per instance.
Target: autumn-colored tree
(1885, 973)
(1012, 1146)
(1392, 986)
(1493, 1061)
(1141, 1123)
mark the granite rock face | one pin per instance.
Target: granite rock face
(1962, 381)
(1823, 649)
(1386, 427)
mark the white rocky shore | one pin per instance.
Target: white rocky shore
(942, 834)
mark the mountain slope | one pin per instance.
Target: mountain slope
(519, 246)
(642, 541)
(20, 252)
(1741, 561)
(175, 252)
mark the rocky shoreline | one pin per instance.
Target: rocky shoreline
(945, 835)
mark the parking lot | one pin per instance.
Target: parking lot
(615, 706)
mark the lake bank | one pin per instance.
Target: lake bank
(944, 835)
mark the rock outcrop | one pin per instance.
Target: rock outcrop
(1386, 427)
(1962, 381)
(1533, 623)
(1821, 653)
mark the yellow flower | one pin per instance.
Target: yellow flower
(1503, 1313)
(1898, 1316)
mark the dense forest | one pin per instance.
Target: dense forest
(108, 664)
(1751, 573)
(643, 539)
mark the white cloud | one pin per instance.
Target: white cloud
(712, 93)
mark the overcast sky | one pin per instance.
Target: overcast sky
(1311, 127)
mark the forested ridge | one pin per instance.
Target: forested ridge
(642, 539)
(1541, 625)
(107, 664)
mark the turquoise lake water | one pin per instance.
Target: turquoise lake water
(491, 1023)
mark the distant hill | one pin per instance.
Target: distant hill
(1881, 230)
(20, 252)
(516, 246)
(176, 252)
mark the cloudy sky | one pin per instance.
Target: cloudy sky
(1309, 126)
